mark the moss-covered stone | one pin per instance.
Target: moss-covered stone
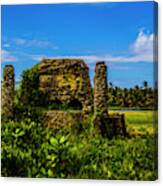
(117, 121)
(8, 87)
(57, 119)
(66, 80)
(101, 118)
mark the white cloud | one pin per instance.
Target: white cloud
(6, 56)
(143, 47)
(20, 41)
(94, 58)
(141, 50)
(37, 57)
(6, 45)
(35, 43)
(143, 43)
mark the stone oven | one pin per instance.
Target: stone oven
(66, 81)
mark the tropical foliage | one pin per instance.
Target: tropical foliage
(139, 97)
(28, 150)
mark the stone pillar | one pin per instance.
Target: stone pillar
(100, 89)
(101, 118)
(8, 92)
(88, 98)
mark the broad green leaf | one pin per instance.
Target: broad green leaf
(53, 141)
(17, 130)
(50, 173)
(62, 139)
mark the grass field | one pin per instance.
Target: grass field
(140, 123)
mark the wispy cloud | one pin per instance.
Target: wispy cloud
(7, 56)
(141, 50)
(6, 45)
(143, 47)
(143, 43)
(37, 57)
(35, 43)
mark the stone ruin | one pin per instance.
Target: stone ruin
(8, 92)
(66, 81)
(101, 98)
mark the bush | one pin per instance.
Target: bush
(29, 88)
(28, 150)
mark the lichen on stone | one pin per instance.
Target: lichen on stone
(8, 87)
(66, 80)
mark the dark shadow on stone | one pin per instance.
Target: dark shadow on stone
(75, 105)
(56, 104)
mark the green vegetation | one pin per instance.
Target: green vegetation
(28, 150)
(133, 98)
(29, 92)
(141, 123)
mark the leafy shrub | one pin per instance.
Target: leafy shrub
(29, 88)
(28, 150)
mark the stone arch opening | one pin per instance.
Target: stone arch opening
(56, 104)
(75, 104)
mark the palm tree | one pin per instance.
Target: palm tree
(145, 84)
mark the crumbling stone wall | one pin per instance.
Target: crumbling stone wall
(101, 118)
(66, 80)
(117, 120)
(57, 119)
(8, 92)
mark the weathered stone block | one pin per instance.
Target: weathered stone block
(59, 119)
(118, 124)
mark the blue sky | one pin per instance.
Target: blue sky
(121, 34)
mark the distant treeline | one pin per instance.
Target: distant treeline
(139, 97)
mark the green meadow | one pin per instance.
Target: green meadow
(140, 123)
